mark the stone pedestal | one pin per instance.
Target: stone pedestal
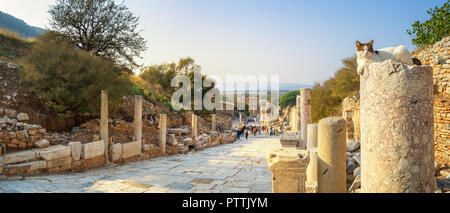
(305, 112)
(332, 156)
(104, 121)
(397, 147)
(288, 166)
(162, 132)
(289, 139)
(138, 120)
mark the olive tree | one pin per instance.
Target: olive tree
(102, 27)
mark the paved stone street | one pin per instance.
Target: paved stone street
(240, 167)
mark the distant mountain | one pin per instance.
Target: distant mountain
(283, 87)
(293, 86)
(12, 23)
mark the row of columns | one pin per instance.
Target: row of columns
(104, 122)
(397, 147)
(138, 111)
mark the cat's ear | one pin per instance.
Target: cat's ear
(371, 43)
(358, 44)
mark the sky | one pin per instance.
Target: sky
(301, 41)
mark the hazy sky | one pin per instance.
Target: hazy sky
(302, 41)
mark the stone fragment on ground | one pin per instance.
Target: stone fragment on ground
(42, 143)
(352, 145)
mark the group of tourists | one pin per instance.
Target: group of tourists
(255, 130)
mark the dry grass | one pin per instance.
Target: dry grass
(15, 35)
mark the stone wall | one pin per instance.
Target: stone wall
(438, 56)
(16, 133)
(351, 113)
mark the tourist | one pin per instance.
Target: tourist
(246, 134)
(239, 132)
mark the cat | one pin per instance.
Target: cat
(366, 54)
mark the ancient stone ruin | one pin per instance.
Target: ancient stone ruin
(397, 139)
(44, 156)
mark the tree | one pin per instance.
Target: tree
(289, 99)
(163, 74)
(101, 27)
(432, 30)
(70, 79)
(326, 98)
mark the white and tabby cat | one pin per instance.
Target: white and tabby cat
(366, 55)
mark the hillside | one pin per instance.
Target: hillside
(12, 23)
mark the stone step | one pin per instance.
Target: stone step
(19, 157)
(25, 168)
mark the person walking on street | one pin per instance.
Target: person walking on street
(246, 134)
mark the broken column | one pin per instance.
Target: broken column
(240, 120)
(214, 123)
(312, 181)
(397, 147)
(292, 119)
(297, 115)
(288, 166)
(332, 156)
(104, 121)
(312, 136)
(162, 132)
(138, 120)
(305, 112)
(194, 126)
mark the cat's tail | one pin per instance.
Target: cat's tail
(416, 61)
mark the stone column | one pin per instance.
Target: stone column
(240, 120)
(194, 127)
(397, 147)
(312, 181)
(297, 115)
(214, 123)
(288, 166)
(293, 119)
(312, 136)
(104, 122)
(138, 119)
(305, 112)
(162, 132)
(332, 154)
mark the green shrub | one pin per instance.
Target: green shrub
(69, 79)
(432, 30)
